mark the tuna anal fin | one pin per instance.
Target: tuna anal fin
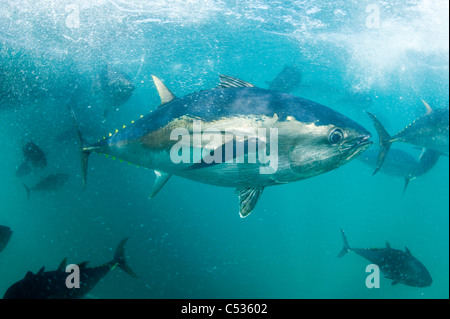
(164, 93)
(161, 180)
(248, 197)
(407, 180)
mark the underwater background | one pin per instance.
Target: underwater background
(189, 241)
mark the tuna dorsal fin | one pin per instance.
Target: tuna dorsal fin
(83, 264)
(62, 265)
(429, 109)
(226, 81)
(41, 271)
(407, 251)
(248, 197)
(28, 275)
(164, 93)
(161, 180)
(388, 246)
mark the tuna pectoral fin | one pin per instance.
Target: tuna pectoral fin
(119, 258)
(248, 197)
(346, 247)
(385, 141)
(161, 180)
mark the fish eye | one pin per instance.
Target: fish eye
(336, 136)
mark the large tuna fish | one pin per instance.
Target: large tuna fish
(235, 135)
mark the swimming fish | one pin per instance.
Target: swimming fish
(33, 158)
(116, 87)
(49, 183)
(222, 136)
(397, 265)
(428, 131)
(52, 284)
(399, 163)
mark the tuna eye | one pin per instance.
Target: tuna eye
(336, 136)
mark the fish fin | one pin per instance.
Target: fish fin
(226, 81)
(161, 180)
(429, 109)
(385, 141)
(84, 151)
(424, 150)
(164, 93)
(41, 271)
(388, 246)
(62, 265)
(28, 190)
(407, 180)
(28, 275)
(346, 247)
(407, 251)
(119, 258)
(208, 159)
(83, 264)
(394, 283)
(248, 197)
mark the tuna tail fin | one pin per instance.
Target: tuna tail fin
(28, 190)
(84, 152)
(385, 141)
(119, 258)
(346, 247)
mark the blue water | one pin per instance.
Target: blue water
(189, 241)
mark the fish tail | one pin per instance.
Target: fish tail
(346, 247)
(84, 152)
(28, 190)
(119, 258)
(385, 141)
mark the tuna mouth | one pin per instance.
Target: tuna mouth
(360, 146)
